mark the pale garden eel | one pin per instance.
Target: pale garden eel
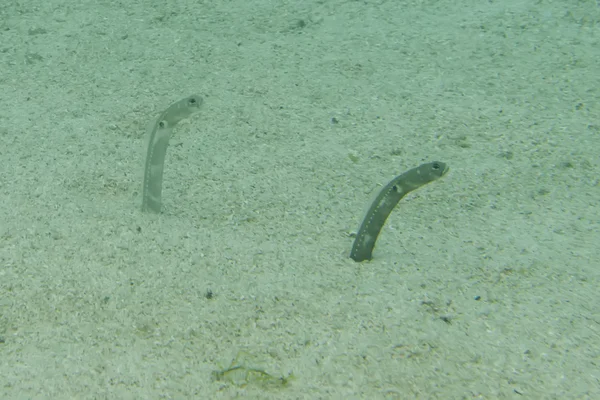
(386, 200)
(158, 141)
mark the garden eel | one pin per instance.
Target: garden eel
(385, 202)
(158, 141)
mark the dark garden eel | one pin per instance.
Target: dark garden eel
(158, 141)
(386, 200)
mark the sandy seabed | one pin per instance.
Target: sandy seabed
(484, 284)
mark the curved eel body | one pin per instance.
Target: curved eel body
(158, 141)
(385, 202)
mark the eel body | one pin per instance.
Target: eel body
(158, 141)
(386, 200)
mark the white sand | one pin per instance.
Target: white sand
(261, 192)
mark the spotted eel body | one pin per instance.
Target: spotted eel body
(158, 141)
(385, 202)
